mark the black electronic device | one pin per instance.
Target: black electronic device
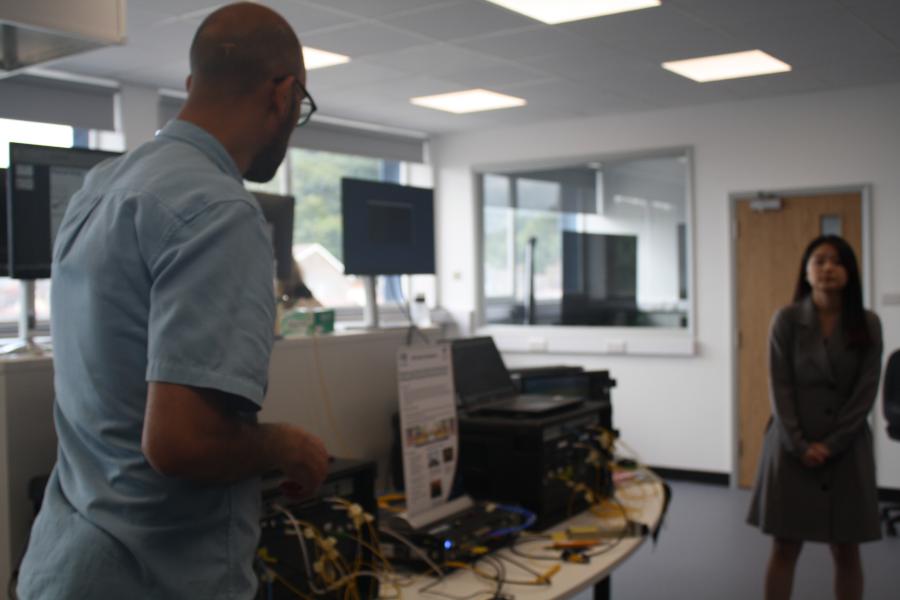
(462, 536)
(388, 229)
(279, 213)
(569, 381)
(483, 384)
(280, 561)
(40, 182)
(545, 463)
(599, 279)
(4, 249)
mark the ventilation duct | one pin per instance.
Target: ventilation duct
(35, 31)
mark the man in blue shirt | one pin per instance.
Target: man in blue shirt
(163, 315)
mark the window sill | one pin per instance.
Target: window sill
(621, 341)
(345, 334)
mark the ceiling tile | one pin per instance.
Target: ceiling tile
(493, 76)
(830, 36)
(539, 40)
(618, 69)
(138, 16)
(107, 62)
(858, 72)
(375, 8)
(882, 16)
(801, 80)
(461, 20)
(436, 59)
(657, 34)
(177, 7)
(364, 39)
(353, 73)
(399, 91)
(306, 18)
(731, 12)
(608, 65)
(575, 98)
(169, 76)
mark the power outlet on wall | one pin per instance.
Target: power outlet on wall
(891, 299)
(537, 344)
(615, 346)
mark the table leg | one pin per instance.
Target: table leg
(601, 589)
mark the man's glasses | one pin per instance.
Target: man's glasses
(307, 104)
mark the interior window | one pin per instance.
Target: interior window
(596, 243)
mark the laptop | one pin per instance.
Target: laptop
(484, 387)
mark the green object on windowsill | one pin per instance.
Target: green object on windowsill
(298, 322)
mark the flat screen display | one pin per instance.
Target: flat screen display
(4, 246)
(479, 372)
(279, 214)
(40, 182)
(388, 229)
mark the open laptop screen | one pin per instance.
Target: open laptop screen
(478, 371)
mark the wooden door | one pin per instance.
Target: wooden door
(771, 236)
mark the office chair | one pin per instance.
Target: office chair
(891, 514)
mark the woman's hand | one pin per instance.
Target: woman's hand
(816, 455)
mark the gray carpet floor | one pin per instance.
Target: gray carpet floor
(706, 551)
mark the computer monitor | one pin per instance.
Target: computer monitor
(4, 250)
(279, 214)
(388, 229)
(479, 372)
(40, 182)
(599, 279)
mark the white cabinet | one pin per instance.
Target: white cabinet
(27, 449)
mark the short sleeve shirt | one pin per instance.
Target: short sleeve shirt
(162, 272)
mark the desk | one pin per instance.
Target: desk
(642, 498)
(27, 448)
(307, 379)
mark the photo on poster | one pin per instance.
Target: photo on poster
(436, 488)
(428, 421)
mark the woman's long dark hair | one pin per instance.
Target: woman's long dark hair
(853, 315)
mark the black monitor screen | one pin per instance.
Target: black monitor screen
(40, 182)
(478, 371)
(279, 214)
(388, 228)
(600, 266)
(567, 384)
(4, 250)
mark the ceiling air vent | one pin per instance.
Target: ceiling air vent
(36, 31)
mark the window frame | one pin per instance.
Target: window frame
(390, 312)
(587, 339)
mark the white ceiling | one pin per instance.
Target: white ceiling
(406, 48)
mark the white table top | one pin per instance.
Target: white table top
(640, 494)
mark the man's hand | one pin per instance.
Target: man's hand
(191, 433)
(816, 455)
(303, 458)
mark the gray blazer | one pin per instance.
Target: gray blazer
(820, 392)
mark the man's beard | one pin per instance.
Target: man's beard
(266, 163)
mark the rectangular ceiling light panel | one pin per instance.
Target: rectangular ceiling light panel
(727, 66)
(564, 11)
(468, 101)
(314, 58)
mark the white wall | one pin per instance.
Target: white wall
(27, 448)
(137, 114)
(679, 412)
(341, 387)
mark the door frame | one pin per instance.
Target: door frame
(865, 192)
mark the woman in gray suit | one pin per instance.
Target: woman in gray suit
(816, 479)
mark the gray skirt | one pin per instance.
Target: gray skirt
(836, 503)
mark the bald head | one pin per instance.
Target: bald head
(240, 46)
